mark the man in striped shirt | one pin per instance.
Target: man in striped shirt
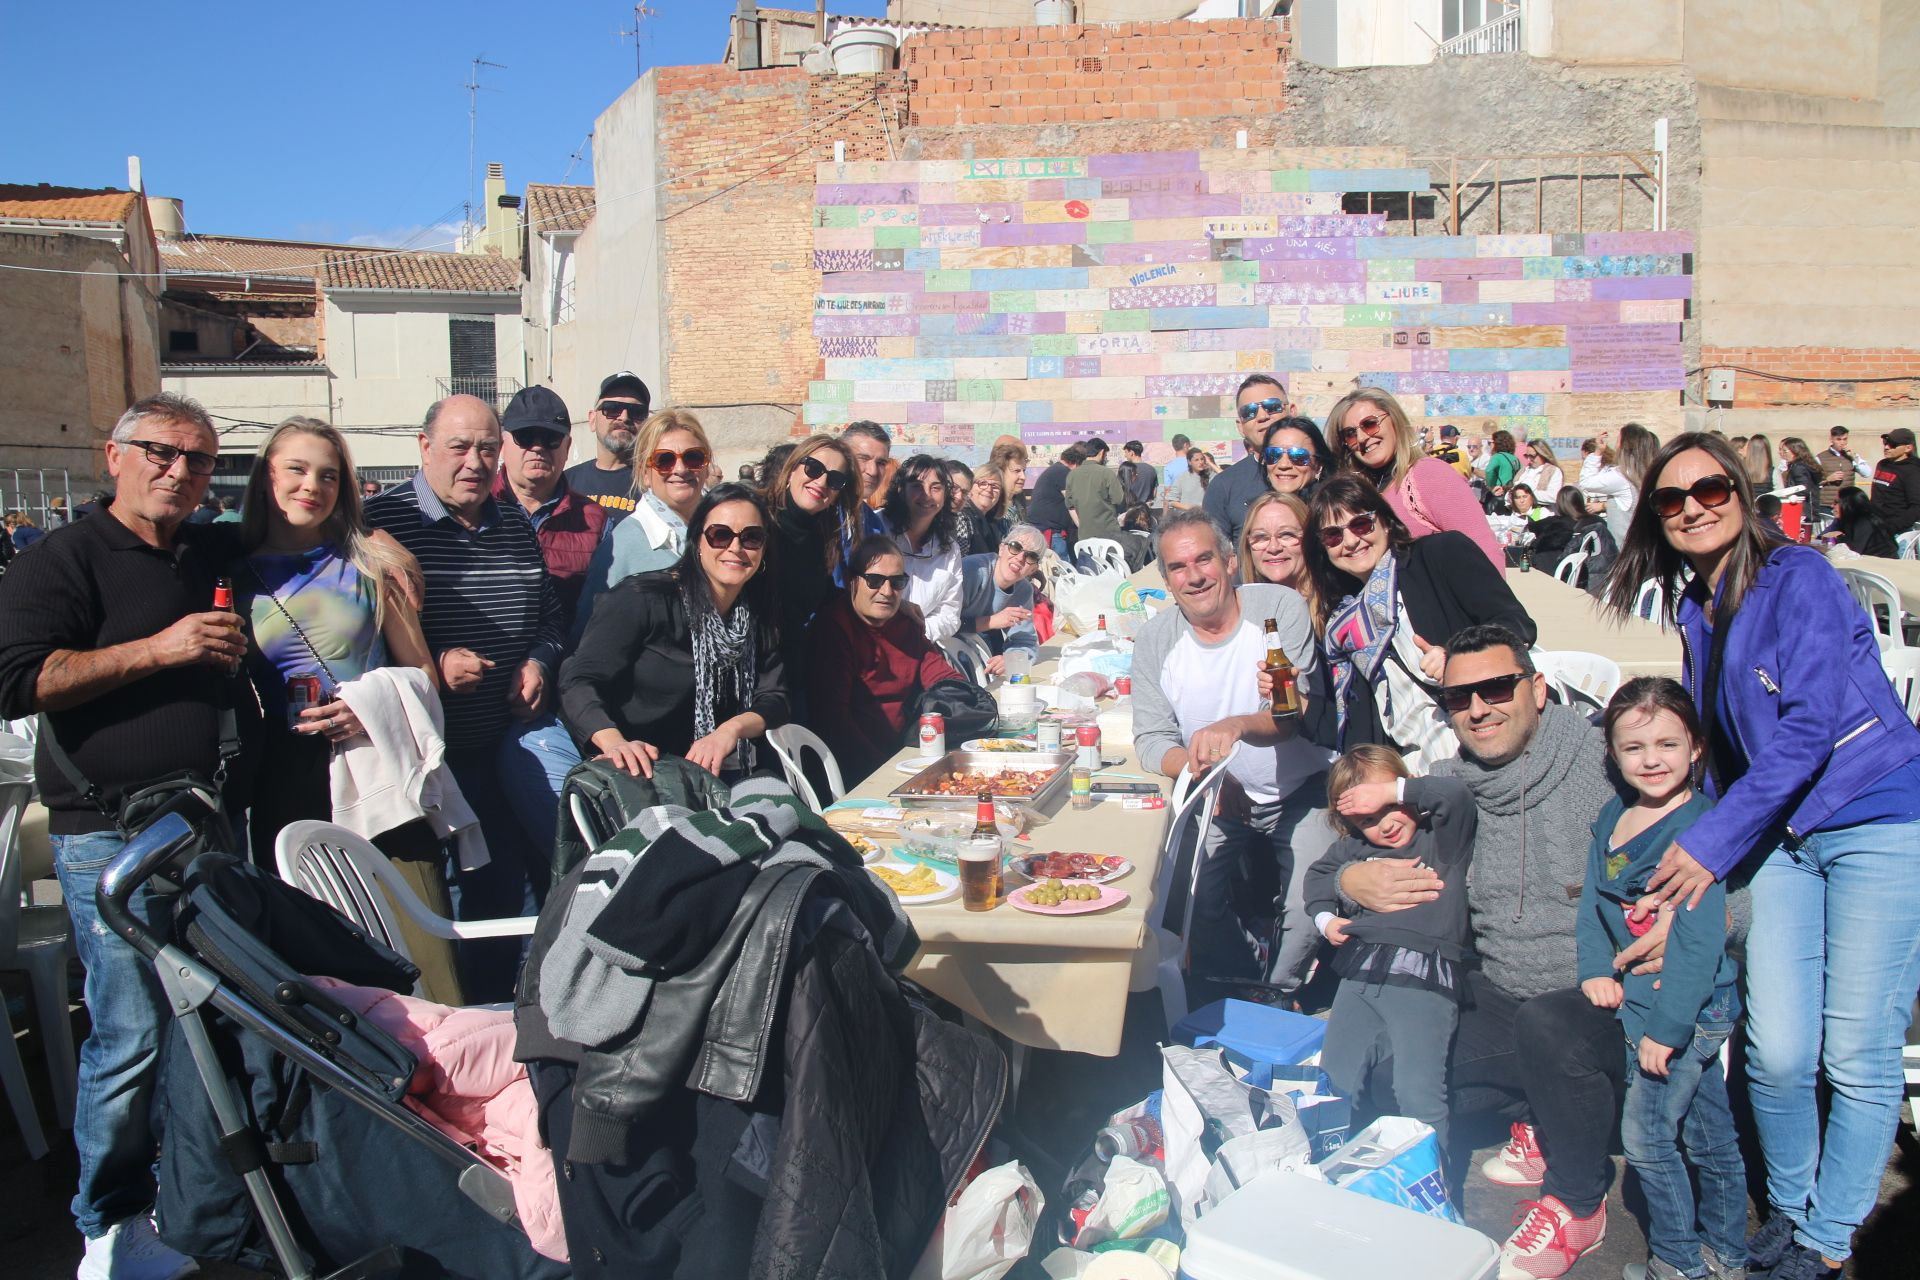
(493, 622)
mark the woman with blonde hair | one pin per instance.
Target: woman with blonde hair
(1372, 437)
(1756, 458)
(1273, 545)
(670, 460)
(1540, 471)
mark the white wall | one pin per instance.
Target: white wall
(1367, 33)
(386, 362)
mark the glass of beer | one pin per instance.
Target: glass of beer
(980, 861)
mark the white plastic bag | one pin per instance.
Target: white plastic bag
(1133, 1201)
(987, 1230)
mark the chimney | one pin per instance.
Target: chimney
(503, 223)
(134, 182)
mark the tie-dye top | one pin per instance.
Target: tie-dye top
(333, 604)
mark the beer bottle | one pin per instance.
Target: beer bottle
(984, 827)
(223, 593)
(980, 860)
(1286, 699)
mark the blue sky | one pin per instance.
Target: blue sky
(337, 122)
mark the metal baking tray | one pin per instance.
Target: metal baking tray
(1061, 762)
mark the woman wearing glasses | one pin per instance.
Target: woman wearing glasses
(1386, 604)
(1373, 437)
(922, 525)
(1295, 456)
(986, 510)
(815, 503)
(1540, 472)
(869, 663)
(685, 661)
(1273, 543)
(670, 461)
(1814, 766)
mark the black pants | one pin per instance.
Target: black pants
(1557, 1058)
(293, 783)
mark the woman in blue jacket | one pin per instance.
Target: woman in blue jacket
(1812, 762)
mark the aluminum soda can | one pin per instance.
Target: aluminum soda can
(933, 734)
(303, 692)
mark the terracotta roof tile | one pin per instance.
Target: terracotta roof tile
(450, 272)
(232, 255)
(65, 204)
(551, 207)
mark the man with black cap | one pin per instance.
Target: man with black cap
(1449, 452)
(616, 418)
(1896, 482)
(568, 524)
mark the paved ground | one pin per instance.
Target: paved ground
(1065, 1097)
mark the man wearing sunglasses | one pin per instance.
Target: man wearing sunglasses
(1530, 1045)
(1896, 482)
(616, 418)
(532, 458)
(996, 595)
(1260, 403)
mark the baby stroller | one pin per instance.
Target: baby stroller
(285, 1143)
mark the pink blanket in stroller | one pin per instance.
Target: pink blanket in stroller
(469, 1087)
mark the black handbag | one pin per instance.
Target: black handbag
(969, 710)
(187, 792)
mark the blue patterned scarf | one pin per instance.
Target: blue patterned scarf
(1360, 632)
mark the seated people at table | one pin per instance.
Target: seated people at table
(670, 471)
(1523, 510)
(685, 662)
(1197, 704)
(986, 511)
(1373, 438)
(1540, 471)
(1814, 768)
(996, 596)
(869, 663)
(1386, 601)
(922, 525)
(1589, 532)
(814, 499)
(1008, 464)
(1857, 524)
(959, 491)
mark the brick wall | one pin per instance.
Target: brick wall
(1822, 377)
(1116, 71)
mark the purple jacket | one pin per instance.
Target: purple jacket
(1807, 701)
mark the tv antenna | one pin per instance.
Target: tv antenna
(641, 12)
(473, 87)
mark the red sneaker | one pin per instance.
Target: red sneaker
(1548, 1239)
(1519, 1163)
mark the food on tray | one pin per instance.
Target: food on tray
(916, 883)
(999, 782)
(1000, 744)
(1073, 866)
(1051, 893)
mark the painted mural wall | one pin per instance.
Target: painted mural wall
(1126, 296)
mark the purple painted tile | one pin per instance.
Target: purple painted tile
(959, 215)
(1459, 291)
(1309, 293)
(1668, 377)
(1022, 322)
(1177, 295)
(943, 303)
(870, 326)
(1622, 335)
(1159, 184)
(1573, 291)
(1083, 366)
(1297, 248)
(1335, 224)
(1182, 206)
(1565, 312)
(1445, 384)
(1015, 233)
(971, 326)
(1127, 255)
(924, 411)
(1623, 288)
(872, 282)
(867, 193)
(1648, 355)
(1444, 269)
(843, 260)
(1293, 271)
(1133, 164)
(1195, 384)
(1605, 242)
(1251, 340)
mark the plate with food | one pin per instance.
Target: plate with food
(1095, 868)
(917, 885)
(869, 850)
(1017, 746)
(1066, 897)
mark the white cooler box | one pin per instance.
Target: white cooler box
(1287, 1227)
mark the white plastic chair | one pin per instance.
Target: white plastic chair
(1192, 800)
(1881, 599)
(33, 940)
(1590, 673)
(1651, 603)
(969, 655)
(345, 871)
(1100, 555)
(791, 742)
(1568, 570)
(1902, 665)
(1909, 544)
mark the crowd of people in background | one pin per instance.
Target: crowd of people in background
(502, 616)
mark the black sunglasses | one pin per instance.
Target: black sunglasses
(1708, 491)
(1295, 454)
(874, 581)
(836, 480)
(1030, 556)
(1495, 691)
(622, 409)
(1269, 405)
(164, 456)
(1362, 525)
(720, 536)
(535, 437)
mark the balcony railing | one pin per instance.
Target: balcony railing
(1502, 35)
(495, 391)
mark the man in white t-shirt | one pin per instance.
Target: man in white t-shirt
(1196, 703)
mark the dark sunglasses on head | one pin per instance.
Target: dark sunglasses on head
(720, 536)
(874, 581)
(164, 456)
(1495, 691)
(1270, 405)
(1370, 424)
(664, 460)
(1362, 526)
(1708, 491)
(1295, 454)
(535, 437)
(814, 469)
(1031, 557)
(621, 409)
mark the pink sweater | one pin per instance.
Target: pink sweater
(1434, 497)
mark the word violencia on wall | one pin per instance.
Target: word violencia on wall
(1126, 296)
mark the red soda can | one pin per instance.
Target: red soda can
(303, 691)
(1123, 685)
(933, 734)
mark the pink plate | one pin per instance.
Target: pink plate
(1109, 897)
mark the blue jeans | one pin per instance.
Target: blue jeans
(128, 1014)
(513, 787)
(1690, 1104)
(1832, 965)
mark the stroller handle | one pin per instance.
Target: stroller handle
(144, 856)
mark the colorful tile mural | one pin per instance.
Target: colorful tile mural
(1126, 296)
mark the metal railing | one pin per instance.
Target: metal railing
(1502, 35)
(43, 493)
(495, 391)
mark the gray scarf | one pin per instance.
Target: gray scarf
(723, 662)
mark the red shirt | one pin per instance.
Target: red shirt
(569, 527)
(862, 683)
